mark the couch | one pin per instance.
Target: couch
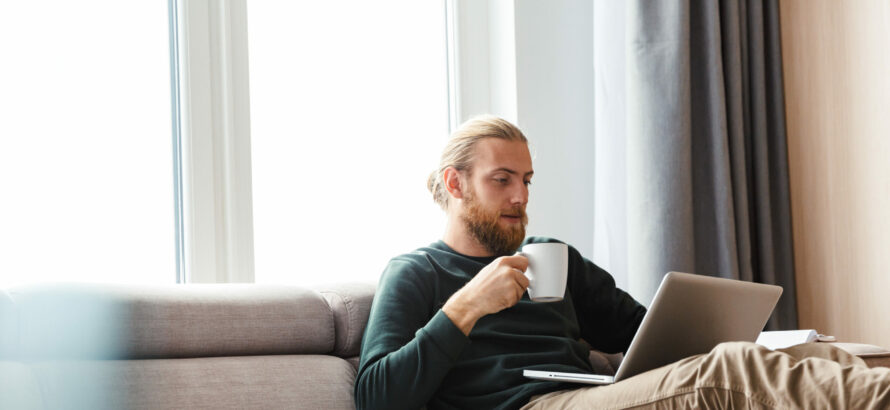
(189, 346)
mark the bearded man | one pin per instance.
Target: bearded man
(451, 326)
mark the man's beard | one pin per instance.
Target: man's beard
(485, 227)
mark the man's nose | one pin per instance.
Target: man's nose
(519, 196)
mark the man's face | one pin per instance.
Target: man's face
(493, 205)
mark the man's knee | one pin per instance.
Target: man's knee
(822, 351)
(738, 349)
(747, 350)
(732, 357)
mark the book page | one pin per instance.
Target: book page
(779, 339)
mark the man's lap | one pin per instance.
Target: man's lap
(740, 373)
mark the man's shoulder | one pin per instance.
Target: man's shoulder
(412, 271)
(419, 256)
(417, 261)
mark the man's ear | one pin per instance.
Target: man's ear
(452, 179)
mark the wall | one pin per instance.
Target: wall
(837, 91)
(531, 62)
(555, 107)
(610, 194)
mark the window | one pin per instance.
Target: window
(349, 112)
(85, 146)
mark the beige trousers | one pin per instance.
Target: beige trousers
(741, 375)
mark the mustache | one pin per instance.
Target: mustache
(517, 211)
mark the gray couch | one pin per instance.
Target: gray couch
(191, 346)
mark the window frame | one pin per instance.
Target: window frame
(211, 126)
(212, 141)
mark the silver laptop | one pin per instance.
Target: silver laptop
(690, 315)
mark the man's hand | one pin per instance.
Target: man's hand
(496, 287)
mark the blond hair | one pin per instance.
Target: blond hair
(458, 153)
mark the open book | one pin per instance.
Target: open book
(779, 339)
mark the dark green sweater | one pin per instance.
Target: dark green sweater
(413, 355)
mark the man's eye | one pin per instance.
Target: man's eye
(501, 180)
(527, 183)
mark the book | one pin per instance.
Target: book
(779, 339)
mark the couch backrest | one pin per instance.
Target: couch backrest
(140, 322)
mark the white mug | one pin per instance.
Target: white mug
(548, 269)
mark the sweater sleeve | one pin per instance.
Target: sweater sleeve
(409, 344)
(608, 316)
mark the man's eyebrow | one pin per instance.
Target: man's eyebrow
(512, 172)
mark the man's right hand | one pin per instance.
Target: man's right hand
(496, 287)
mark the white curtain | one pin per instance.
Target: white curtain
(610, 216)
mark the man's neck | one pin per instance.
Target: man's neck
(457, 237)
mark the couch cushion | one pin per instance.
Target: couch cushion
(18, 387)
(241, 382)
(351, 304)
(116, 321)
(354, 361)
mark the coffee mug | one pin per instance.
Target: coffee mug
(548, 269)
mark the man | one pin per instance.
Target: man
(452, 327)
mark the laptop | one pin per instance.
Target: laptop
(690, 315)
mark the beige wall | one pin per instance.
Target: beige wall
(837, 96)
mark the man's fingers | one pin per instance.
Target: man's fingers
(522, 280)
(522, 283)
(517, 261)
(519, 276)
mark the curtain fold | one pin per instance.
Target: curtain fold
(706, 169)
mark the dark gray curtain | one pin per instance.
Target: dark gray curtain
(707, 168)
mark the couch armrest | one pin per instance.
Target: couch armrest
(351, 304)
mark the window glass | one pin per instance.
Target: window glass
(348, 116)
(85, 145)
